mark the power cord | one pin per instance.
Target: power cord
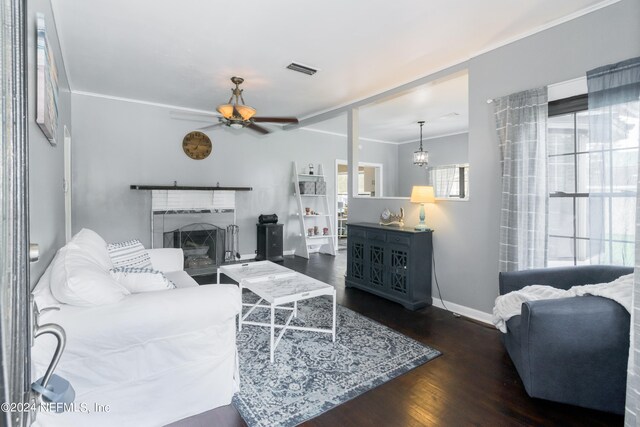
(456, 315)
(435, 276)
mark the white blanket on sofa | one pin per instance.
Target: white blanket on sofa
(509, 305)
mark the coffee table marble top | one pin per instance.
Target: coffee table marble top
(280, 290)
(255, 270)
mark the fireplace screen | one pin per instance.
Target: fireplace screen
(203, 246)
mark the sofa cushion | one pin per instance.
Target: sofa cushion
(94, 246)
(77, 279)
(181, 279)
(129, 254)
(138, 280)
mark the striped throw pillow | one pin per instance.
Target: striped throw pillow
(129, 254)
(138, 280)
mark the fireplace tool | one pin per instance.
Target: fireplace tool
(231, 250)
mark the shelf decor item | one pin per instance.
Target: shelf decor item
(321, 187)
(422, 194)
(307, 187)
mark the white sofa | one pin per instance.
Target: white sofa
(152, 357)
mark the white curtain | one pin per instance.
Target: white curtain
(614, 133)
(442, 178)
(521, 123)
(613, 161)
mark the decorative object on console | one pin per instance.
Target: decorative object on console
(420, 157)
(389, 218)
(196, 145)
(310, 168)
(422, 194)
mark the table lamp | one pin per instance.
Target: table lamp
(422, 194)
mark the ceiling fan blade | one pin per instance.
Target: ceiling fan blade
(275, 119)
(258, 129)
(193, 117)
(215, 125)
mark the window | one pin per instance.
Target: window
(450, 181)
(572, 197)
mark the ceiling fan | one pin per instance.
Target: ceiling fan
(235, 114)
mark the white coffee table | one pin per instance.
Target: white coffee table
(277, 286)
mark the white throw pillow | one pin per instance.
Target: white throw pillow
(42, 295)
(77, 279)
(138, 280)
(129, 254)
(94, 245)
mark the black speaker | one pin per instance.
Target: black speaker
(270, 242)
(268, 219)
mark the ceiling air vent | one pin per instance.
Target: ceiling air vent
(302, 69)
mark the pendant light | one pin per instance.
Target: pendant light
(420, 157)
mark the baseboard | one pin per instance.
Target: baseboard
(462, 310)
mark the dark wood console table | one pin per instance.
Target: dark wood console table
(391, 262)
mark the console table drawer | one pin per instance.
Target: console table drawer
(398, 239)
(379, 236)
(356, 232)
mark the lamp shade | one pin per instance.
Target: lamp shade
(422, 194)
(226, 110)
(245, 111)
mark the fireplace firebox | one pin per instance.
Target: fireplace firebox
(203, 246)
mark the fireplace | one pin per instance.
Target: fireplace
(203, 245)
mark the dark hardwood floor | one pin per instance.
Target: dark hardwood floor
(472, 383)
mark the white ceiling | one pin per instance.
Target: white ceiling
(443, 104)
(182, 53)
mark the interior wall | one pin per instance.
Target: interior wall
(118, 143)
(385, 154)
(446, 150)
(46, 162)
(466, 233)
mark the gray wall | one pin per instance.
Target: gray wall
(466, 233)
(445, 150)
(46, 163)
(387, 155)
(119, 143)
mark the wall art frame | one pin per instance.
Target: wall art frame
(47, 83)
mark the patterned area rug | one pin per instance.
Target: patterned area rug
(311, 374)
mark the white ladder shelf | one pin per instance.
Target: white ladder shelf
(318, 203)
